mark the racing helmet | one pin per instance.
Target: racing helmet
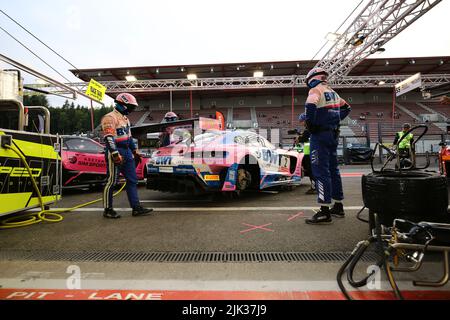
(128, 101)
(316, 75)
(170, 117)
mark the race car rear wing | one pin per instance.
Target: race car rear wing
(140, 132)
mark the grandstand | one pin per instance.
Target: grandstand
(271, 108)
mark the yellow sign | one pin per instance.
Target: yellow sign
(96, 90)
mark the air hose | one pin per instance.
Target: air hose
(350, 264)
(385, 254)
(43, 215)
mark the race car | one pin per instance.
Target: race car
(84, 164)
(223, 161)
(444, 159)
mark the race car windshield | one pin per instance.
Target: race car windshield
(207, 138)
(82, 145)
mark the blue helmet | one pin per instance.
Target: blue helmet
(302, 117)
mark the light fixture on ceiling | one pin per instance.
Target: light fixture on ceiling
(157, 70)
(412, 61)
(332, 36)
(237, 68)
(271, 67)
(192, 76)
(130, 78)
(298, 65)
(386, 63)
(258, 74)
(211, 70)
(182, 69)
(128, 72)
(381, 83)
(377, 50)
(357, 40)
(441, 62)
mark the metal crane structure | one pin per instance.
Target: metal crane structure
(167, 85)
(377, 23)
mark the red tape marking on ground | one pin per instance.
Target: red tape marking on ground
(61, 294)
(253, 227)
(352, 174)
(296, 215)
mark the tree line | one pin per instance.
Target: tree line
(68, 118)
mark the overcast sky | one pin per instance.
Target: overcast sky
(99, 33)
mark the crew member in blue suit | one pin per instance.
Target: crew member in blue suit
(120, 155)
(324, 111)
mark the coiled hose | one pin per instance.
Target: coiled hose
(356, 255)
(43, 215)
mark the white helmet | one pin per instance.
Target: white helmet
(316, 74)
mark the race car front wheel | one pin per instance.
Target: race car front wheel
(244, 179)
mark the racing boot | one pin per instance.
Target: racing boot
(110, 213)
(323, 216)
(338, 210)
(141, 211)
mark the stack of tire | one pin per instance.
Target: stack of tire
(411, 195)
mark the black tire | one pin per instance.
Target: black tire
(411, 195)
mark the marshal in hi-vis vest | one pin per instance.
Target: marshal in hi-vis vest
(406, 142)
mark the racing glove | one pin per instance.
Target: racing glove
(117, 158)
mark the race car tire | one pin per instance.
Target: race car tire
(411, 195)
(243, 179)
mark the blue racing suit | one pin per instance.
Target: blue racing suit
(324, 111)
(117, 135)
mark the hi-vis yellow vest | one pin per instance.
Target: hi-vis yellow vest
(406, 142)
(306, 148)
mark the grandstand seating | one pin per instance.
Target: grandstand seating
(438, 107)
(274, 117)
(371, 114)
(379, 113)
(414, 108)
(135, 116)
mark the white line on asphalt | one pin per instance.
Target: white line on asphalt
(213, 209)
(176, 201)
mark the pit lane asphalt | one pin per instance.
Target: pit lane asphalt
(202, 223)
(171, 229)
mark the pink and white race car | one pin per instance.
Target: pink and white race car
(223, 161)
(84, 164)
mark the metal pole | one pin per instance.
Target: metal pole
(380, 140)
(170, 100)
(92, 116)
(393, 106)
(292, 111)
(190, 104)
